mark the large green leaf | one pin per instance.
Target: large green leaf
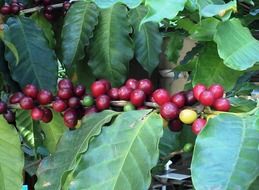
(46, 27)
(175, 44)
(122, 156)
(169, 142)
(106, 4)
(55, 169)
(111, 48)
(147, 40)
(29, 129)
(11, 157)
(241, 104)
(78, 28)
(210, 69)
(53, 131)
(158, 10)
(226, 153)
(37, 62)
(255, 184)
(236, 45)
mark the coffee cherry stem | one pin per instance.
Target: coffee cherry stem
(121, 103)
(38, 8)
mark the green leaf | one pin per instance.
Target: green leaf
(169, 142)
(46, 28)
(236, 45)
(53, 131)
(129, 144)
(205, 30)
(241, 104)
(147, 40)
(37, 62)
(28, 129)
(80, 21)
(210, 69)
(255, 184)
(175, 44)
(111, 48)
(55, 169)
(12, 159)
(226, 153)
(106, 4)
(158, 10)
(187, 136)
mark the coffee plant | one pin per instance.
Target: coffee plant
(73, 116)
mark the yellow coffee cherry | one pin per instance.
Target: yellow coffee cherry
(188, 116)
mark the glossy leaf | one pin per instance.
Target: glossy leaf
(112, 35)
(169, 142)
(12, 159)
(37, 62)
(210, 69)
(226, 153)
(46, 28)
(255, 184)
(53, 131)
(55, 169)
(236, 45)
(129, 144)
(158, 10)
(147, 40)
(106, 4)
(175, 44)
(28, 129)
(80, 21)
(241, 104)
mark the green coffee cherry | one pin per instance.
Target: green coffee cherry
(188, 147)
(128, 107)
(88, 101)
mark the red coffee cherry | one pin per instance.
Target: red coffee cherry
(98, 88)
(90, 110)
(106, 83)
(74, 102)
(222, 104)
(137, 97)
(30, 90)
(9, 117)
(47, 115)
(6, 9)
(169, 111)
(178, 99)
(65, 83)
(65, 93)
(145, 85)
(26, 103)
(217, 90)
(102, 102)
(132, 83)
(44, 97)
(16, 97)
(161, 96)
(198, 125)
(36, 113)
(197, 90)
(206, 98)
(124, 93)
(175, 125)
(114, 93)
(70, 118)
(3, 107)
(79, 90)
(59, 105)
(189, 97)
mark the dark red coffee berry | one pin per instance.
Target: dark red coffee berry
(222, 104)
(102, 102)
(3, 107)
(206, 98)
(6, 9)
(90, 110)
(161, 96)
(47, 115)
(106, 83)
(189, 97)
(198, 125)
(26, 103)
(145, 85)
(70, 118)
(15, 8)
(9, 116)
(124, 93)
(178, 99)
(16, 97)
(217, 90)
(175, 125)
(137, 97)
(36, 113)
(59, 105)
(132, 83)
(65, 93)
(79, 90)
(65, 83)
(169, 111)
(74, 102)
(98, 88)
(31, 91)
(114, 93)
(44, 97)
(197, 90)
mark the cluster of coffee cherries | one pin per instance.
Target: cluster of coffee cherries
(13, 8)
